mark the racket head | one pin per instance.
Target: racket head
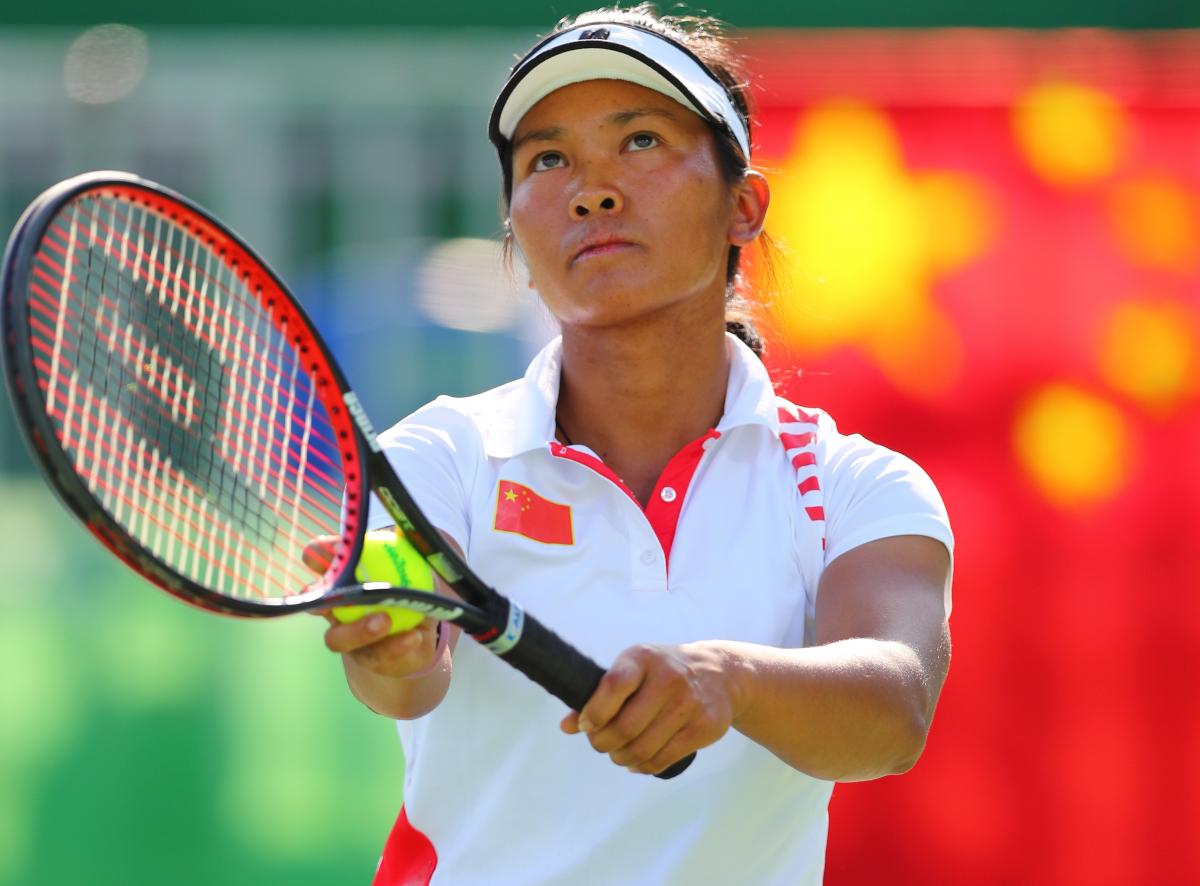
(80, 272)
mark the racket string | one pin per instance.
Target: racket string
(265, 447)
(328, 502)
(232, 327)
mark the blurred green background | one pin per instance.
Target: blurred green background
(141, 742)
(147, 743)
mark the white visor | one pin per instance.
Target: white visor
(601, 51)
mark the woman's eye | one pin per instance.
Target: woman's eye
(547, 160)
(642, 141)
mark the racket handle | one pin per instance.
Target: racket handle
(563, 671)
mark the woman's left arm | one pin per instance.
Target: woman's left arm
(855, 706)
(859, 702)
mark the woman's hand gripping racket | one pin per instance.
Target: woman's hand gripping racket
(181, 403)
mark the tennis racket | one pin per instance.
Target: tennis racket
(181, 404)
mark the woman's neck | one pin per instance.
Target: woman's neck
(636, 395)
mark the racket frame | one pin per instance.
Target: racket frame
(42, 439)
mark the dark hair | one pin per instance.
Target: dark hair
(706, 38)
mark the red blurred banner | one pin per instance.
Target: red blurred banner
(989, 259)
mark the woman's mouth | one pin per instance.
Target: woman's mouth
(608, 246)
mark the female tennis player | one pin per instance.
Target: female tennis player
(762, 586)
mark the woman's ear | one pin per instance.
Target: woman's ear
(509, 249)
(751, 198)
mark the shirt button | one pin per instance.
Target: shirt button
(667, 494)
(648, 557)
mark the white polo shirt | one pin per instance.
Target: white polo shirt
(731, 546)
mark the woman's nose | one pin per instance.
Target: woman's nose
(596, 200)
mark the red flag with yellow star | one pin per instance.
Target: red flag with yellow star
(991, 262)
(521, 510)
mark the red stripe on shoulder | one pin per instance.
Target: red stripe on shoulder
(409, 858)
(804, 458)
(795, 441)
(801, 434)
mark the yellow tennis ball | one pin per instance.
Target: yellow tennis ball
(387, 556)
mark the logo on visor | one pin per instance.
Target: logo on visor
(596, 34)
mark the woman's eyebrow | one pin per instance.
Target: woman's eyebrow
(620, 118)
(550, 133)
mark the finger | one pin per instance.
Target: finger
(570, 724)
(618, 683)
(397, 655)
(349, 636)
(323, 613)
(680, 745)
(354, 635)
(649, 740)
(642, 709)
(318, 553)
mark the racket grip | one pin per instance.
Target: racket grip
(565, 672)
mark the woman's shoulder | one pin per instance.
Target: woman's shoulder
(835, 449)
(469, 416)
(867, 490)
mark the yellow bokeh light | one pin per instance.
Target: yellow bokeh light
(956, 215)
(1148, 353)
(1073, 445)
(1156, 223)
(1070, 134)
(864, 238)
(927, 361)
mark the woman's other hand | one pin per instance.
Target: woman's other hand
(656, 704)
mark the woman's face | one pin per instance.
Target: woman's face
(618, 203)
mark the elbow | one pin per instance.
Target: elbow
(913, 719)
(896, 750)
(909, 752)
(910, 742)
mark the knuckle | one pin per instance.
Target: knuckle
(644, 767)
(633, 753)
(691, 707)
(622, 672)
(621, 756)
(677, 683)
(623, 731)
(629, 761)
(636, 754)
(658, 764)
(690, 738)
(605, 738)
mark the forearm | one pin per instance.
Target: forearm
(851, 710)
(400, 698)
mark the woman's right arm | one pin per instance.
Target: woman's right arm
(404, 675)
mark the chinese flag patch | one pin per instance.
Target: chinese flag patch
(521, 510)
